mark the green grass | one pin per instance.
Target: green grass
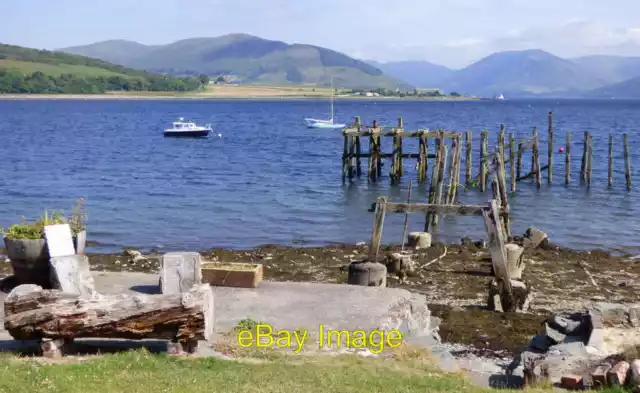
(28, 67)
(142, 372)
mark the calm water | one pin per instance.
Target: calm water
(268, 179)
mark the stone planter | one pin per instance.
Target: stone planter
(239, 275)
(29, 260)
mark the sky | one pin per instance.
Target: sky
(454, 33)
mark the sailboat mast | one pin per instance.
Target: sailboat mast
(332, 100)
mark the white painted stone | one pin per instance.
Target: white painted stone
(59, 240)
(419, 240)
(71, 274)
(180, 272)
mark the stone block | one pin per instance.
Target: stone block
(71, 274)
(419, 240)
(599, 375)
(515, 263)
(565, 325)
(595, 329)
(533, 238)
(617, 376)
(574, 349)
(521, 295)
(180, 272)
(571, 381)
(634, 375)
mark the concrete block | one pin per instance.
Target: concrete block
(419, 240)
(59, 240)
(596, 330)
(599, 375)
(534, 237)
(71, 274)
(515, 263)
(180, 272)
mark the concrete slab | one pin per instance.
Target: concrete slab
(293, 305)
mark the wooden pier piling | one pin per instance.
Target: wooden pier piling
(550, 150)
(610, 162)
(567, 160)
(627, 163)
(451, 148)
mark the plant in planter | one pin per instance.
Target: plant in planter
(27, 248)
(78, 225)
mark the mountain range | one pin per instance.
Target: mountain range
(248, 58)
(252, 59)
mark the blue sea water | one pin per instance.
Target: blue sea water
(269, 179)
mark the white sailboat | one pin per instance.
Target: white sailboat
(315, 123)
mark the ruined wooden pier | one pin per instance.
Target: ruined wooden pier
(447, 156)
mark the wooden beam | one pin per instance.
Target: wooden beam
(424, 208)
(407, 134)
(498, 254)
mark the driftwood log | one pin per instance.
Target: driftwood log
(33, 313)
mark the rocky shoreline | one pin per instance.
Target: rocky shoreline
(453, 277)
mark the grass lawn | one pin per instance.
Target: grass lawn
(28, 67)
(142, 372)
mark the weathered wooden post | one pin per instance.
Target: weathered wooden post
(512, 162)
(401, 142)
(534, 134)
(434, 182)
(550, 150)
(589, 160)
(468, 175)
(376, 235)
(501, 142)
(352, 152)
(610, 171)
(422, 163)
(394, 173)
(443, 163)
(484, 143)
(536, 159)
(567, 160)
(627, 163)
(451, 174)
(345, 156)
(519, 162)
(583, 165)
(358, 154)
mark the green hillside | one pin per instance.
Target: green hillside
(247, 59)
(25, 70)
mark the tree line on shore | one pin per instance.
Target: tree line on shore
(15, 82)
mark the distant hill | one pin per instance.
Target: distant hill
(626, 89)
(421, 74)
(251, 59)
(26, 70)
(612, 69)
(523, 73)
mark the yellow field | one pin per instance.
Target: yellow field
(249, 91)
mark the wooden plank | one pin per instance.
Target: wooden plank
(438, 199)
(406, 219)
(376, 234)
(425, 208)
(498, 255)
(627, 160)
(450, 174)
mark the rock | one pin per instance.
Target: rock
(574, 349)
(533, 238)
(634, 375)
(398, 261)
(369, 274)
(515, 264)
(599, 375)
(419, 240)
(568, 325)
(554, 334)
(571, 381)
(132, 253)
(541, 342)
(595, 329)
(617, 376)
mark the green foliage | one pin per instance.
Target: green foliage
(454, 94)
(16, 81)
(33, 230)
(247, 324)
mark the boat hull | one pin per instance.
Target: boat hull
(326, 126)
(187, 134)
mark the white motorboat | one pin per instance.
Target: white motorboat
(182, 128)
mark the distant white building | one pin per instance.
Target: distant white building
(369, 94)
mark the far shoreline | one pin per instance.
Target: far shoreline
(169, 97)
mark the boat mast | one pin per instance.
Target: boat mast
(332, 99)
